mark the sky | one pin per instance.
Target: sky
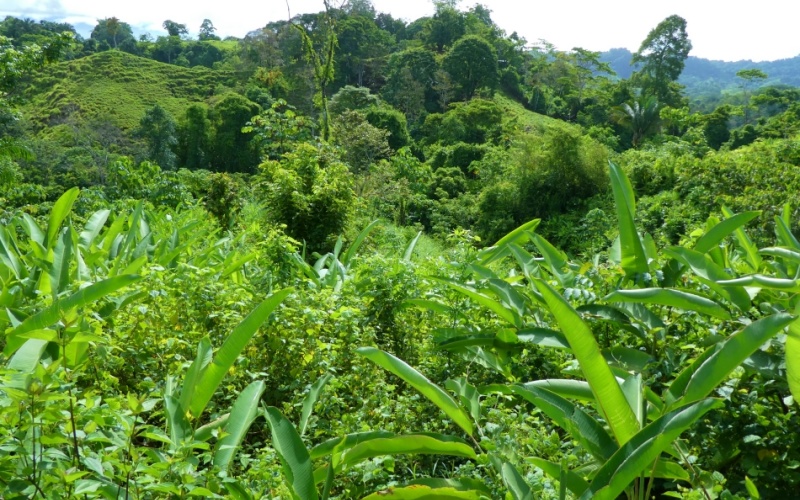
(728, 30)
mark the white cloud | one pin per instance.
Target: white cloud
(727, 30)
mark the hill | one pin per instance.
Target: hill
(118, 87)
(701, 74)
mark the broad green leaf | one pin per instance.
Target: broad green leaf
(784, 253)
(527, 262)
(488, 360)
(425, 444)
(477, 340)
(310, 400)
(710, 273)
(752, 490)
(27, 357)
(327, 447)
(230, 350)
(62, 258)
(608, 394)
(500, 249)
(82, 297)
(584, 429)
(636, 457)
(508, 295)
(9, 255)
(634, 393)
(195, 372)
(92, 228)
(670, 297)
(784, 232)
(237, 491)
(410, 248)
(421, 383)
(574, 483)
(242, 414)
(293, 455)
(177, 424)
(58, 213)
(353, 249)
(461, 484)
(567, 388)
(713, 366)
(543, 337)
(35, 232)
(421, 492)
(793, 360)
(722, 230)
(469, 395)
(628, 358)
(516, 485)
(761, 281)
(556, 261)
(505, 313)
(745, 243)
(205, 432)
(633, 258)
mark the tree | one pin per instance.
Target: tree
(751, 78)
(445, 27)
(715, 126)
(112, 31)
(663, 55)
(362, 51)
(157, 128)
(175, 29)
(207, 30)
(361, 143)
(416, 65)
(322, 63)
(641, 117)
(231, 147)
(279, 129)
(472, 63)
(194, 138)
(310, 191)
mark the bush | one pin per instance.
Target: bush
(310, 191)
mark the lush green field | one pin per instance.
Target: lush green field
(118, 88)
(351, 257)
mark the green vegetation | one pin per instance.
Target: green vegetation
(350, 257)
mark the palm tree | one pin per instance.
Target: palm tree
(640, 116)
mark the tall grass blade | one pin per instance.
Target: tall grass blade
(293, 455)
(421, 383)
(608, 394)
(243, 412)
(230, 350)
(632, 255)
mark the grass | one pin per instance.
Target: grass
(525, 121)
(117, 87)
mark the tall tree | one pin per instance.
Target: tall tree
(207, 30)
(112, 31)
(751, 78)
(194, 138)
(472, 63)
(232, 150)
(662, 56)
(641, 117)
(175, 29)
(445, 27)
(157, 128)
(322, 63)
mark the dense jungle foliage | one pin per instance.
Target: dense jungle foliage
(354, 257)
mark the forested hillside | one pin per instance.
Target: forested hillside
(350, 256)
